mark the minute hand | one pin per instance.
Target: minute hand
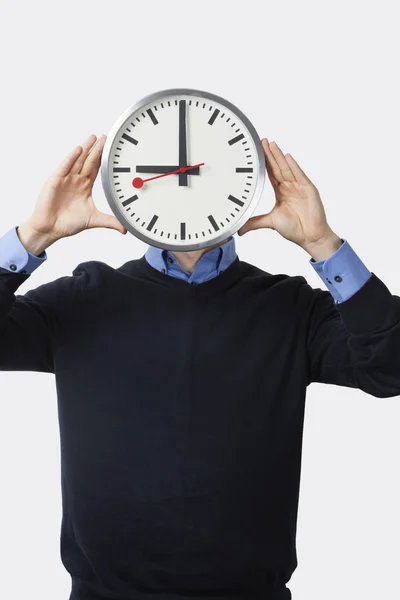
(182, 142)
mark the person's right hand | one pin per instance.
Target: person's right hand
(65, 205)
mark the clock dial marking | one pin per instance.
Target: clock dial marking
(152, 222)
(129, 200)
(121, 169)
(244, 169)
(236, 139)
(236, 200)
(213, 222)
(213, 116)
(183, 231)
(130, 139)
(152, 116)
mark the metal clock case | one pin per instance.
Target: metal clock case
(183, 169)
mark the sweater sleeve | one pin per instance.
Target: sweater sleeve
(355, 343)
(30, 324)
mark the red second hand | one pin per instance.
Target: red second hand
(138, 181)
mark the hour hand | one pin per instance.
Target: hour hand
(162, 169)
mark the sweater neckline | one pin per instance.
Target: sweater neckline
(217, 283)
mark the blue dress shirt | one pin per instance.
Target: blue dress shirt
(212, 263)
(14, 256)
(343, 273)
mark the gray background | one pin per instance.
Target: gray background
(322, 81)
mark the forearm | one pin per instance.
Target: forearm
(324, 249)
(34, 241)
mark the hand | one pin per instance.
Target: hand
(65, 205)
(298, 214)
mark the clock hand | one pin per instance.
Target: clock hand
(182, 142)
(162, 169)
(138, 181)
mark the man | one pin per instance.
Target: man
(181, 406)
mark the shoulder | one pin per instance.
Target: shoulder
(290, 291)
(86, 276)
(262, 278)
(91, 271)
(95, 273)
(62, 290)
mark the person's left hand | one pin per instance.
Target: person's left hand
(298, 214)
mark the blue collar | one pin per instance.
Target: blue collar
(212, 263)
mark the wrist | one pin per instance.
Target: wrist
(34, 241)
(325, 247)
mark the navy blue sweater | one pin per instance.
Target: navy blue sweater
(176, 485)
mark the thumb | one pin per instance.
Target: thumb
(101, 219)
(257, 222)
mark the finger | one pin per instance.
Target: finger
(109, 221)
(271, 175)
(65, 166)
(93, 160)
(301, 177)
(282, 162)
(257, 222)
(273, 169)
(87, 144)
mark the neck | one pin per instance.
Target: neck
(189, 260)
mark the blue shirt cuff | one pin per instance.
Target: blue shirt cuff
(15, 257)
(343, 273)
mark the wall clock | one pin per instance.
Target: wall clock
(183, 169)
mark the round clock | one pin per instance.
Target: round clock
(183, 169)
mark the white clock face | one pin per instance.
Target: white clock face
(183, 170)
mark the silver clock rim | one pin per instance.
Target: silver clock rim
(106, 180)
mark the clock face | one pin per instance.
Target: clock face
(183, 169)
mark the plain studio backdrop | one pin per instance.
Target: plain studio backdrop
(322, 81)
